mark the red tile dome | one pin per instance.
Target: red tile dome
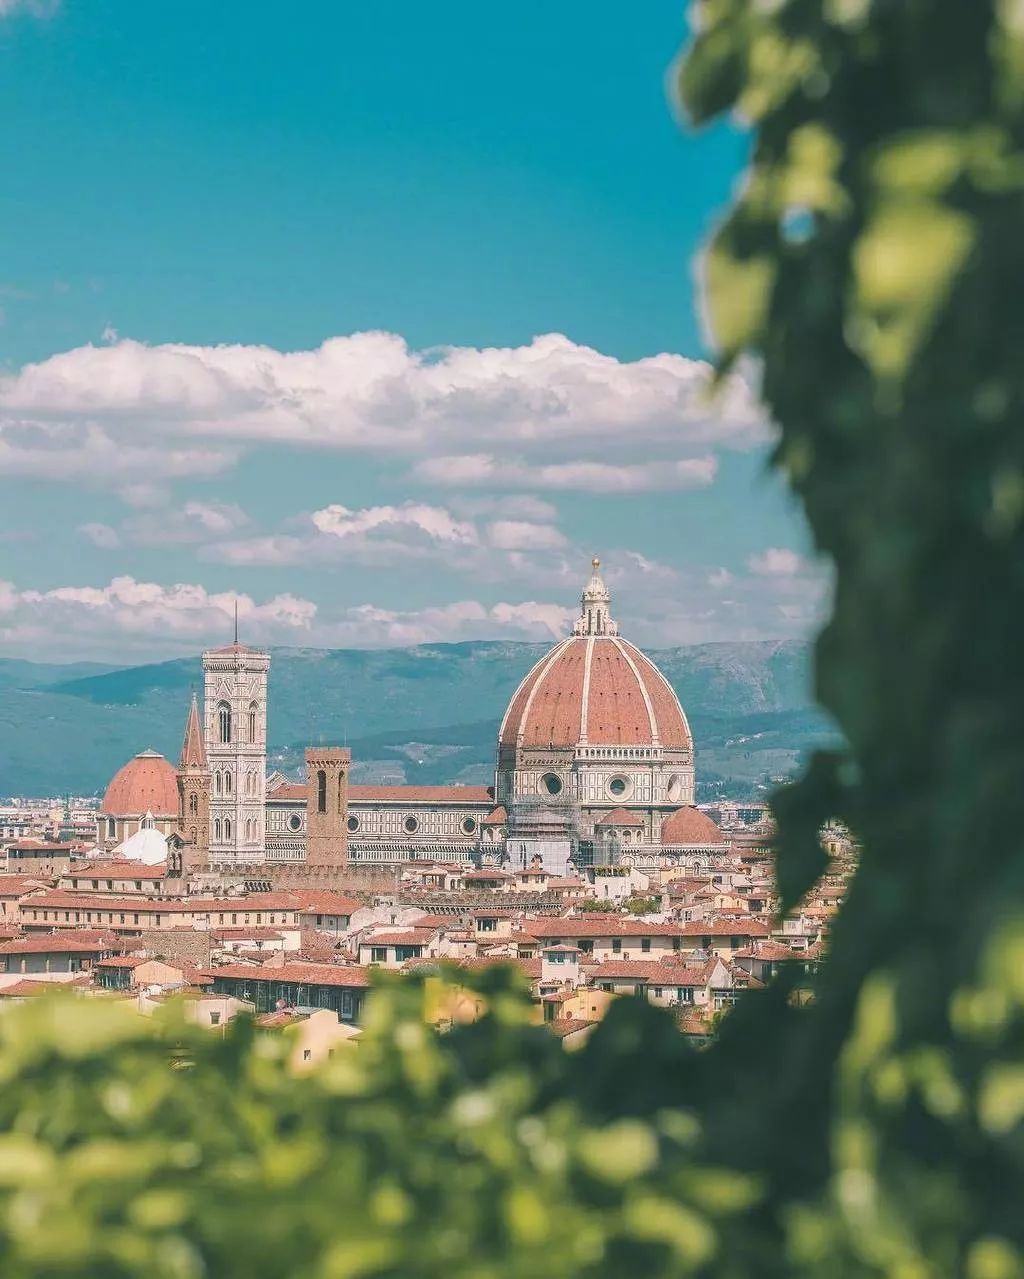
(690, 826)
(146, 784)
(597, 690)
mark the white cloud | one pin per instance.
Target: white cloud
(133, 620)
(519, 535)
(720, 578)
(777, 561)
(192, 524)
(370, 626)
(483, 469)
(70, 451)
(126, 610)
(105, 410)
(101, 535)
(434, 522)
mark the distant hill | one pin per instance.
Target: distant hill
(428, 713)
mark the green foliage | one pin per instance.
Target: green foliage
(641, 905)
(871, 264)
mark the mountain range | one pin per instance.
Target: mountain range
(425, 714)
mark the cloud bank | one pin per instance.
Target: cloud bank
(554, 414)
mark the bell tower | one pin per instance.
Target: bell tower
(327, 806)
(235, 732)
(194, 793)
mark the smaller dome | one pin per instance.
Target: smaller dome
(146, 784)
(690, 827)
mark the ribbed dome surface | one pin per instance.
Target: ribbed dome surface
(146, 784)
(690, 826)
(599, 691)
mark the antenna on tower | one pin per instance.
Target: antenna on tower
(236, 619)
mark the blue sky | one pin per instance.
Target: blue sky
(193, 193)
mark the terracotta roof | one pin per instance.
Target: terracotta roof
(45, 845)
(689, 826)
(596, 689)
(65, 898)
(296, 974)
(563, 1027)
(26, 987)
(122, 961)
(324, 901)
(46, 944)
(595, 926)
(15, 885)
(768, 949)
(666, 974)
(496, 817)
(277, 1020)
(116, 868)
(146, 784)
(410, 937)
(476, 876)
(620, 817)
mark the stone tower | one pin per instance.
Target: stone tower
(194, 792)
(327, 806)
(235, 724)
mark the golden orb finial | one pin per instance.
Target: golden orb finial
(596, 562)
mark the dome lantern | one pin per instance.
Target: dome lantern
(595, 615)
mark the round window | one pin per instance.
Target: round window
(295, 822)
(412, 825)
(618, 786)
(552, 783)
(468, 825)
(353, 823)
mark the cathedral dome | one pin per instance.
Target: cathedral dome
(595, 689)
(146, 784)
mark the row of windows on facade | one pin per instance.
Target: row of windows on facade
(222, 829)
(223, 783)
(86, 916)
(225, 722)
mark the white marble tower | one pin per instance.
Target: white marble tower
(235, 728)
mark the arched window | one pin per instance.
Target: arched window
(217, 783)
(192, 835)
(224, 721)
(193, 804)
(217, 829)
(321, 791)
(111, 828)
(227, 827)
(253, 709)
(341, 792)
(227, 783)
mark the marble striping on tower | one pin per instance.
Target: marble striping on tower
(235, 729)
